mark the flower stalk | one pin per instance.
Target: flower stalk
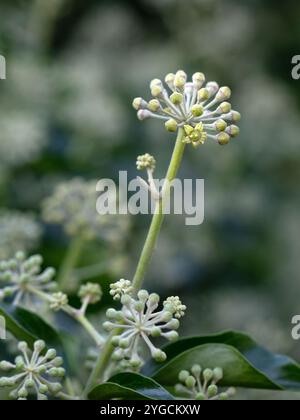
(145, 258)
(71, 259)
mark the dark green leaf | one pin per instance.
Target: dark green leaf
(130, 386)
(244, 362)
(28, 326)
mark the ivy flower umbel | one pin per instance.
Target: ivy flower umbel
(138, 321)
(19, 275)
(32, 371)
(202, 109)
(199, 384)
(73, 205)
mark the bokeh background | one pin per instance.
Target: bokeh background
(73, 67)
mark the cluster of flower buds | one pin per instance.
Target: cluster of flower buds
(58, 301)
(32, 372)
(201, 108)
(73, 205)
(18, 231)
(90, 293)
(138, 320)
(145, 161)
(120, 288)
(19, 275)
(199, 384)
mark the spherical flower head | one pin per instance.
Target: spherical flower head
(18, 275)
(145, 161)
(32, 371)
(200, 108)
(17, 231)
(201, 384)
(58, 301)
(120, 288)
(91, 292)
(73, 205)
(140, 322)
(174, 305)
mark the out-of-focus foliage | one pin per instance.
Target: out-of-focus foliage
(74, 67)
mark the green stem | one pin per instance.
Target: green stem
(158, 216)
(72, 256)
(145, 257)
(74, 313)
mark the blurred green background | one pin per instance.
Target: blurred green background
(73, 67)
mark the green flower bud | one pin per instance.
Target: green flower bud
(155, 82)
(111, 313)
(39, 345)
(143, 114)
(156, 91)
(196, 370)
(135, 362)
(51, 354)
(200, 396)
(233, 130)
(153, 299)
(23, 346)
(218, 374)
(43, 389)
(171, 336)
(212, 87)
(6, 366)
(23, 393)
(197, 110)
(171, 125)
(159, 355)
(115, 340)
(155, 332)
(203, 95)
(169, 79)
(198, 80)
(154, 105)
(223, 138)
(183, 375)
(55, 387)
(224, 93)
(224, 108)
(220, 125)
(143, 295)
(180, 79)
(236, 116)
(139, 103)
(173, 324)
(212, 391)
(176, 98)
(167, 316)
(190, 382)
(57, 362)
(139, 306)
(124, 343)
(208, 374)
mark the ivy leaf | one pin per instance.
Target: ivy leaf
(245, 363)
(28, 326)
(130, 386)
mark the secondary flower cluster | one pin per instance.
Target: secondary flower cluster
(18, 231)
(73, 205)
(19, 275)
(32, 371)
(199, 384)
(202, 109)
(138, 320)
